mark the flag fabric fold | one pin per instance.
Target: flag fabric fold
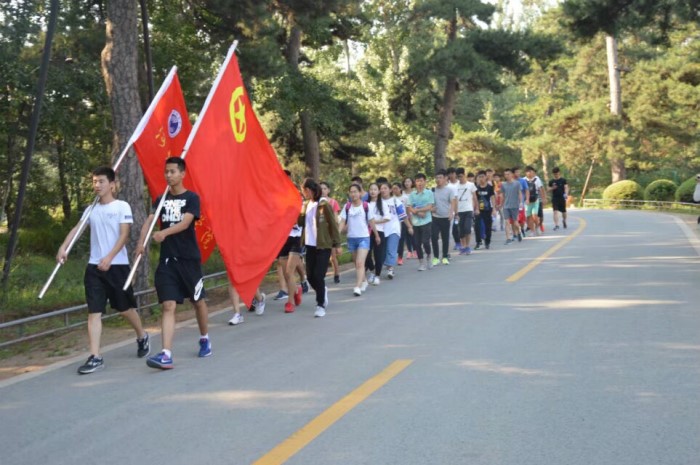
(246, 195)
(164, 135)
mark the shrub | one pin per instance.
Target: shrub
(661, 190)
(685, 191)
(623, 190)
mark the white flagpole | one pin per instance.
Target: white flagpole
(190, 139)
(137, 133)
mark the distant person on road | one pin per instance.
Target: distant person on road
(258, 305)
(108, 267)
(392, 229)
(335, 206)
(696, 194)
(522, 217)
(535, 192)
(560, 192)
(511, 199)
(179, 274)
(354, 218)
(466, 202)
(407, 188)
(443, 217)
(420, 205)
(377, 248)
(485, 196)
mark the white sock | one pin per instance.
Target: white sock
(168, 353)
(206, 336)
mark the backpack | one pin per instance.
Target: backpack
(532, 188)
(365, 205)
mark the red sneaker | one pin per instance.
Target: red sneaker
(297, 296)
(288, 308)
(399, 261)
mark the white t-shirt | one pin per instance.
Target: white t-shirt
(465, 198)
(310, 238)
(376, 216)
(453, 185)
(105, 222)
(394, 224)
(356, 219)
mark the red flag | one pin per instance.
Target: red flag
(164, 135)
(251, 202)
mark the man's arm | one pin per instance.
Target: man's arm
(62, 255)
(144, 230)
(187, 219)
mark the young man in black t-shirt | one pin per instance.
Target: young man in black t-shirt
(179, 272)
(560, 192)
(485, 196)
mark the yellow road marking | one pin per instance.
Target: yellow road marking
(301, 438)
(530, 266)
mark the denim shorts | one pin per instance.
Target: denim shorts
(355, 243)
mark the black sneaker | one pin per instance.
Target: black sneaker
(305, 286)
(93, 364)
(520, 237)
(564, 221)
(336, 279)
(478, 246)
(488, 246)
(144, 346)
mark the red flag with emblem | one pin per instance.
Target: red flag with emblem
(163, 134)
(250, 201)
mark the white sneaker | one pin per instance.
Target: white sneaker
(320, 312)
(237, 319)
(325, 298)
(429, 261)
(357, 291)
(370, 277)
(363, 286)
(260, 308)
(390, 273)
(376, 281)
(422, 266)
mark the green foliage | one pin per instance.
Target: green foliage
(662, 190)
(623, 190)
(685, 191)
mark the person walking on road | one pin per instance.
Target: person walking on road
(354, 218)
(258, 305)
(443, 217)
(392, 229)
(466, 202)
(485, 200)
(108, 267)
(326, 193)
(560, 192)
(535, 194)
(421, 203)
(511, 199)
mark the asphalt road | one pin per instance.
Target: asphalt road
(591, 357)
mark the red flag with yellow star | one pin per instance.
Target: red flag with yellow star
(250, 201)
(162, 135)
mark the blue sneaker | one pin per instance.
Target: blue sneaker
(466, 251)
(305, 286)
(457, 247)
(281, 295)
(161, 361)
(204, 347)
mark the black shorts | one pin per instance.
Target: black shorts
(540, 210)
(178, 279)
(466, 222)
(103, 285)
(292, 246)
(559, 205)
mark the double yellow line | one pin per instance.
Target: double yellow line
(301, 438)
(530, 266)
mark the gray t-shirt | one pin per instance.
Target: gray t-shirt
(443, 201)
(511, 192)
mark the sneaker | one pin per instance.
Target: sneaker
(376, 281)
(320, 312)
(445, 261)
(415, 254)
(520, 237)
(305, 286)
(161, 361)
(297, 295)
(466, 251)
(435, 262)
(555, 228)
(370, 277)
(509, 241)
(488, 246)
(144, 346)
(236, 320)
(253, 305)
(421, 266)
(457, 247)
(91, 365)
(399, 261)
(478, 246)
(564, 222)
(288, 308)
(260, 309)
(364, 285)
(390, 273)
(325, 299)
(281, 295)
(357, 292)
(542, 227)
(205, 346)
(336, 279)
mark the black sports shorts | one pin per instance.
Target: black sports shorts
(101, 286)
(179, 279)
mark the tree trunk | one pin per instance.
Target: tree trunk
(617, 164)
(120, 72)
(312, 151)
(447, 111)
(62, 183)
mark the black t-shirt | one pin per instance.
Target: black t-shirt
(559, 192)
(483, 196)
(532, 190)
(183, 244)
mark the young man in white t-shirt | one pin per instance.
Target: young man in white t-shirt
(467, 207)
(108, 267)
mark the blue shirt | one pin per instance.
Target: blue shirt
(423, 199)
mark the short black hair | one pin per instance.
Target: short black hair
(314, 187)
(555, 169)
(420, 176)
(530, 168)
(451, 170)
(105, 171)
(489, 170)
(515, 168)
(441, 172)
(382, 180)
(459, 171)
(356, 180)
(470, 175)
(177, 161)
(480, 172)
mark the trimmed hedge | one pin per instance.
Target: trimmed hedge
(685, 191)
(623, 190)
(661, 190)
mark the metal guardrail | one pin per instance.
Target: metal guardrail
(65, 314)
(659, 205)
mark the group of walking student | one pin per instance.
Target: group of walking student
(384, 224)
